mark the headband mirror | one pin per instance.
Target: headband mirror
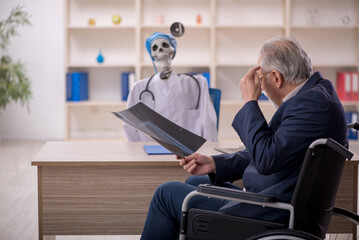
(177, 29)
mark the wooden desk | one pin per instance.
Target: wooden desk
(100, 188)
(105, 188)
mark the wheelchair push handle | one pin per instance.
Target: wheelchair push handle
(353, 125)
(333, 145)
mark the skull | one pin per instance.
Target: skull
(162, 51)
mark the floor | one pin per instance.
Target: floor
(18, 194)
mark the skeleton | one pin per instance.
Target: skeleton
(163, 53)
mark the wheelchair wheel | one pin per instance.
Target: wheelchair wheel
(284, 234)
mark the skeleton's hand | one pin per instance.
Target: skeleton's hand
(250, 86)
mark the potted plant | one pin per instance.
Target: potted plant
(14, 84)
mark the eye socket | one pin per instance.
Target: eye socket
(165, 45)
(154, 48)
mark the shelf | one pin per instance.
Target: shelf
(240, 102)
(324, 27)
(96, 103)
(165, 28)
(234, 65)
(335, 65)
(181, 65)
(349, 103)
(225, 43)
(257, 27)
(322, 13)
(100, 65)
(114, 27)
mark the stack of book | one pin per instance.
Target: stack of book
(352, 117)
(77, 86)
(347, 86)
(127, 81)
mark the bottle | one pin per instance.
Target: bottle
(100, 57)
(199, 19)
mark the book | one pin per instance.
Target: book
(173, 137)
(127, 82)
(156, 150)
(344, 86)
(354, 86)
(77, 86)
(352, 117)
(124, 85)
(206, 75)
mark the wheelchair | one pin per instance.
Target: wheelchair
(310, 209)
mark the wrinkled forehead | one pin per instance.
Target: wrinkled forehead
(160, 41)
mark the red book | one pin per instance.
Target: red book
(354, 86)
(344, 86)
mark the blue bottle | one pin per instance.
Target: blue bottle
(100, 57)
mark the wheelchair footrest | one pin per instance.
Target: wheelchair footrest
(203, 224)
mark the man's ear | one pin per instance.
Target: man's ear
(278, 79)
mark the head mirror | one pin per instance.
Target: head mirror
(177, 29)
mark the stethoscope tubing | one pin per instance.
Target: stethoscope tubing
(153, 96)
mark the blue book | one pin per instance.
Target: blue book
(156, 150)
(68, 87)
(125, 85)
(77, 86)
(208, 77)
(205, 75)
(352, 117)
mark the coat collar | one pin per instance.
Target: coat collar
(314, 79)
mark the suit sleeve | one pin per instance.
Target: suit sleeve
(304, 119)
(230, 167)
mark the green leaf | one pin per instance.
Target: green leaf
(14, 84)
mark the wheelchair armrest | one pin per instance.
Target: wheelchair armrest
(346, 214)
(235, 193)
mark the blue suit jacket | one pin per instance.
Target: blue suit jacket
(275, 151)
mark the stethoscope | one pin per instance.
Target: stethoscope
(153, 96)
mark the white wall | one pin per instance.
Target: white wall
(41, 47)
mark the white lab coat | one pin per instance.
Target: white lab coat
(176, 100)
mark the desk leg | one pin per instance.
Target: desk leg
(347, 196)
(39, 205)
(355, 198)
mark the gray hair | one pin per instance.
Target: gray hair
(285, 55)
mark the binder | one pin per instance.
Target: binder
(127, 79)
(124, 86)
(344, 86)
(206, 75)
(77, 86)
(354, 86)
(352, 117)
(68, 87)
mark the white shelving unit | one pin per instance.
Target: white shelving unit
(226, 44)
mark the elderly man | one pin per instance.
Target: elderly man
(308, 109)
